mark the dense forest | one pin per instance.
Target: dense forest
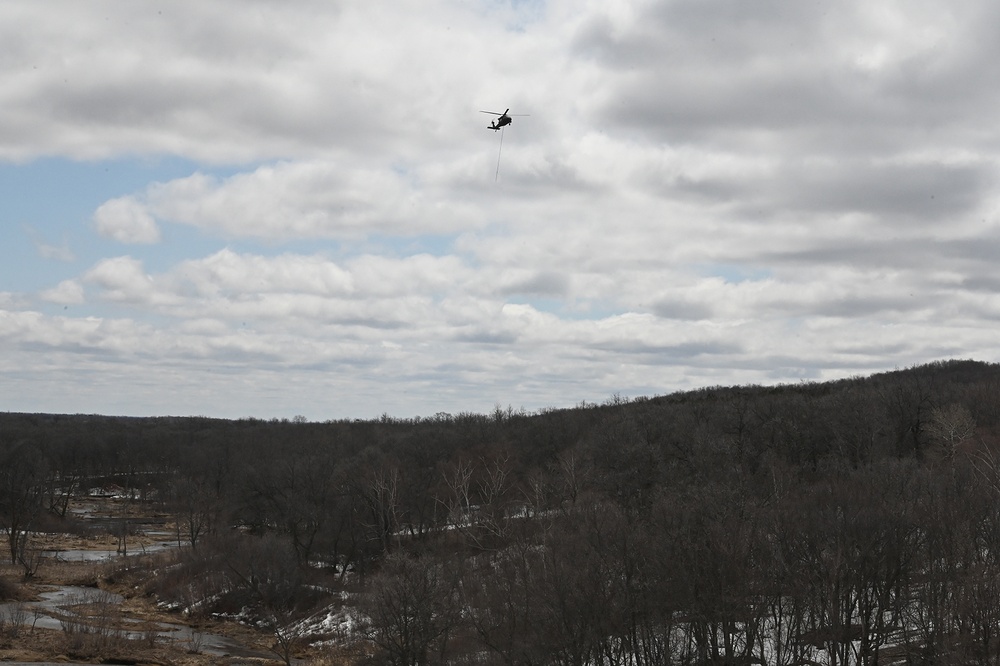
(837, 523)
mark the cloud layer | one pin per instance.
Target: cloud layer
(705, 192)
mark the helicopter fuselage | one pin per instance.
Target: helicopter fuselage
(500, 122)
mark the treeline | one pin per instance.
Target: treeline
(848, 522)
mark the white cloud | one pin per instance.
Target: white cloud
(122, 279)
(315, 199)
(706, 191)
(57, 252)
(67, 292)
(126, 221)
(228, 82)
(230, 273)
(48, 250)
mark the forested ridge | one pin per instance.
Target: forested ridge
(846, 522)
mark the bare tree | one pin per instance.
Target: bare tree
(381, 494)
(266, 570)
(196, 507)
(951, 426)
(482, 502)
(412, 606)
(22, 485)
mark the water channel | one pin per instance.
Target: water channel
(53, 609)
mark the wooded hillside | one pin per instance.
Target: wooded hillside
(848, 522)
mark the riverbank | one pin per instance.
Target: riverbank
(71, 612)
(87, 604)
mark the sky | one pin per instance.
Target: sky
(271, 209)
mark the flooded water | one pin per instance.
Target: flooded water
(102, 554)
(54, 607)
(54, 610)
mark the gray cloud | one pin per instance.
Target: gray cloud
(705, 192)
(682, 309)
(912, 192)
(540, 283)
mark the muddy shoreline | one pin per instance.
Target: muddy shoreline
(86, 603)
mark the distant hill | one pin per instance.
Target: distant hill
(815, 523)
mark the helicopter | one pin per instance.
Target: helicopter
(503, 120)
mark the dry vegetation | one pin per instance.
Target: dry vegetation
(117, 619)
(841, 524)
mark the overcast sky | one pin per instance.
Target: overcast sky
(257, 208)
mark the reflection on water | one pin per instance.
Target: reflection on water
(54, 609)
(102, 554)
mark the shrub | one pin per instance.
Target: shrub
(9, 590)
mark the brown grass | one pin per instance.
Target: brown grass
(99, 633)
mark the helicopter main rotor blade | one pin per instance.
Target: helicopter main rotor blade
(493, 112)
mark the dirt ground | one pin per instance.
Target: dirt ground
(38, 644)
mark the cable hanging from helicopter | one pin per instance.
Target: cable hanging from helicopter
(502, 121)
